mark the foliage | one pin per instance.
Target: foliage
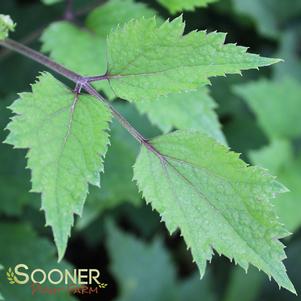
(196, 177)
(67, 140)
(167, 77)
(147, 71)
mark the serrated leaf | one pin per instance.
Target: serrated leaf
(175, 6)
(66, 140)
(216, 200)
(79, 50)
(193, 110)
(141, 67)
(6, 25)
(22, 245)
(287, 168)
(116, 12)
(276, 105)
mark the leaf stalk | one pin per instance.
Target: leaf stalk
(81, 83)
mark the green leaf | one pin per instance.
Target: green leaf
(23, 246)
(79, 50)
(6, 25)
(66, 141)
(115, 12)
(175, 6)
(193, 110)
(276, 105)
(216, 201)
(142, 68)
(154, 275)
(287, 168)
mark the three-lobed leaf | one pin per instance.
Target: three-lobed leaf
(67, 139)
(140, 68)
(147, 60)
(216, 200)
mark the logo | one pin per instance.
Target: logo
(54, 281)
(10, 276)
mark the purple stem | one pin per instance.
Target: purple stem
(91, 79)
(69, 14)
(81, 83)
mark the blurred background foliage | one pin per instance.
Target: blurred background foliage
(118, 233)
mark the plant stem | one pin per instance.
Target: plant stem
(40, 58)
(97, 78)
(82, 82)
(69, 14)
(36, 33)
